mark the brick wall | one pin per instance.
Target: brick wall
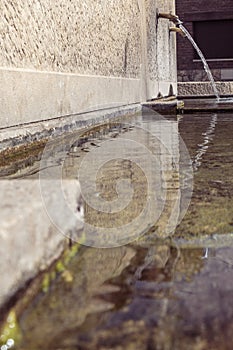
(188, 11)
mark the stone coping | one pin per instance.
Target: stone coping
(204, 88)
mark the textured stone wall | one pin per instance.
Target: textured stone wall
(87, 37)
(152, 26)
(72, 56)
(160, 43)
(204, 88)
(161, 47)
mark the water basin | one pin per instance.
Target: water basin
(155, 292)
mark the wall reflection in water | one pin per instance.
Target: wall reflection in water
(135, 178)
(127, 297)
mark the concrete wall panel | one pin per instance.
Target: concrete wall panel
(30, 96)
(68, 57)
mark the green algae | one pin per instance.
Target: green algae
(60, 267)
(10, 330)
(10, 333)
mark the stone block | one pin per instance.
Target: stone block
(30, 242)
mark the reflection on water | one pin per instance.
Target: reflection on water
(122, 298)
(170, 294)
(134, 175)
(210, 211)
(203, 147)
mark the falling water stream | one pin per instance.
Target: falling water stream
(205, 64)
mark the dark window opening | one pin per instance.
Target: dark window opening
(215, 38)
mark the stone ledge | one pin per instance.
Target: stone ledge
(204, 88)
(165, 106)
(29, 240)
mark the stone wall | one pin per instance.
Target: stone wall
(67, 57)
(204, 88)
(160, 49)
(85, 37)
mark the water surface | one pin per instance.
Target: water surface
(155, 293)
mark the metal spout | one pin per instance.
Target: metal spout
(174, 18)
(177, 30)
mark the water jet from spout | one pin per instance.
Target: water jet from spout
(205, 64)
(183, 31)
